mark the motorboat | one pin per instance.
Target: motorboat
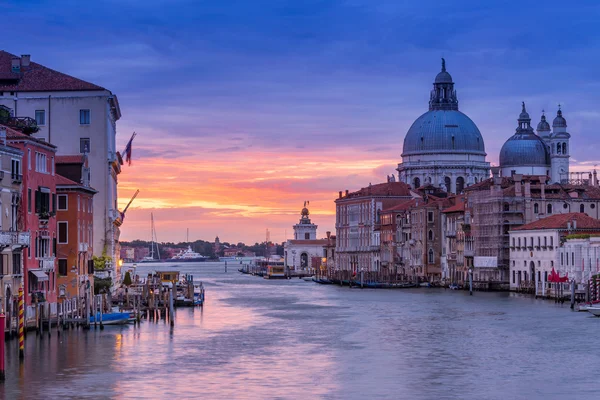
(198, 294)
(308, 278)
(188, 255)
(113, 318)
(595, 310)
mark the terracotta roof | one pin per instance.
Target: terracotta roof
(457, 207)
(16, 135)
(381, 190)
(37, 78)
(561, 221)
(404, 205)
(61, 180)
(70, 159)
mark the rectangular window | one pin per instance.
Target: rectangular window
(62, 267)
(90, 267)
(84, 145)
(514, 274)
(42, 201)
(63, 202)
(63, 232)
(52, 165)
(16, 263)
(84, 117)
(78, 203)
(41, 162)
(29, 200)
(40, 117)
(15, 170)
(430, 216)
(307, 236)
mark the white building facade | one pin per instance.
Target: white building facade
(300, 252)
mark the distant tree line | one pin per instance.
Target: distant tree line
(207, 248)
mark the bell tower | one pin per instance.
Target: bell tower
(559, 149)
(305, 229)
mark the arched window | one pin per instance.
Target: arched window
(475, 179)
(519, 241)
(557, 148)
(536, 208)
(460, 184)
(581, 208)
(430, 257)
(506, 207)
(448, 183)
(417, 183)
(564, 148)
(549, 208)
(430, 235)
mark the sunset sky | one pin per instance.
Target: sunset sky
(244, 109)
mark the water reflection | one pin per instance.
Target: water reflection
(293, 339)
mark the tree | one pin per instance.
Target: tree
(127, 279)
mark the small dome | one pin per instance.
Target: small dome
(543, 125)
(305, 211)
(524, 114)
(559, 121)
(443, 76)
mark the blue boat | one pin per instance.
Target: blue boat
(113, 318)
(198, 294)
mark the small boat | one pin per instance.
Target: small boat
(308, 278)
(198, 294)
(425, 284)
(113, 318)
(594, 310)
(454, 287)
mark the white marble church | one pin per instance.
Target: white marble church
(444, 147)
(302, 252)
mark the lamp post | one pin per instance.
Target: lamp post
(470, 281)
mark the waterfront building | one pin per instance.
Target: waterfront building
(37, 213)
(74, 221)
(443, 147)
(76, 117)
(395, 232)
(328, 262)
(500, 204)
(305, 251)
(579, 256)
(12, 237)
(538, 247)
(357, 215)
(457, 251)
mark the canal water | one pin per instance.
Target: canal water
(260, 339)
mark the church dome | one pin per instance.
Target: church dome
(524, 148)
(543, 125)
(443, 131)
(559, 121)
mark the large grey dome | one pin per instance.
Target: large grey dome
(443, 131)
(524, 148)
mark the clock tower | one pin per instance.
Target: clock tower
(559, 149)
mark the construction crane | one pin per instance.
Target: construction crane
(121, 217)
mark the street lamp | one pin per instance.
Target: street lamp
(470, 281)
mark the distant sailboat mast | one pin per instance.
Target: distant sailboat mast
(154, 241)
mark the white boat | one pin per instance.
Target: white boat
(188, 255)
(308, 278)
(594, 310)
(584, 306)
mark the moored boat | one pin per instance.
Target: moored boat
(113, 318)
(594, 310)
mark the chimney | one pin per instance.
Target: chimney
(543, 190)
(25, 60)
(328, 233)
(3, 135)
(497, 180)
(527, 189)
(346, 192)
(340, 194)
(16, 65)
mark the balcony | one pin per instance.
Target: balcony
(14, 239)
(451, 234)
(47, 263)
(16, 178)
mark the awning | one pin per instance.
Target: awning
(40, 275)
